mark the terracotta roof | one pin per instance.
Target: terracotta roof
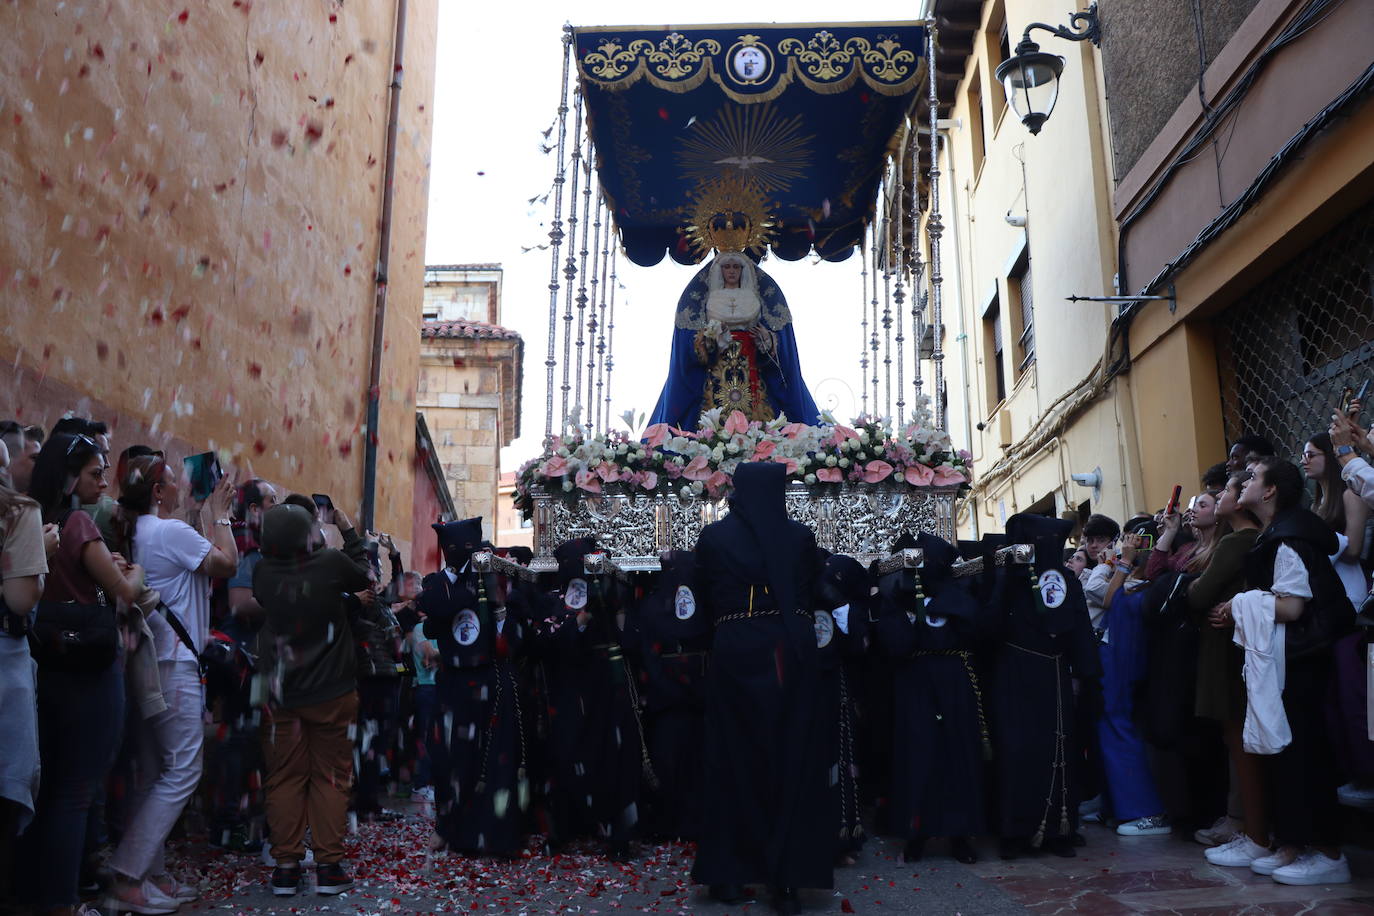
(471, 330)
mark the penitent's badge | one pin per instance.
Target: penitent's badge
(825, 629)
(575, 595)
(684, 603)
(1053, 588)
(466, 627)
(936, 620)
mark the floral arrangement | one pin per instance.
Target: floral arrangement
(701, 462)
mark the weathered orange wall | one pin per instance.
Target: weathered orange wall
(190, 195)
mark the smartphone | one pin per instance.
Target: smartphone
(203, 473)
(1173, 500)
(324, 506)
(1359, 395)
(1147, 542)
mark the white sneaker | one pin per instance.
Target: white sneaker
(1090, 806)
(169, 885)
(1238, 853)
(1223, 831)
(1155, 825)
(1314, 868)
(1265, 865)
(1356, 795)
(143, 898)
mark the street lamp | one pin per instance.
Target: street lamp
(1031, 76)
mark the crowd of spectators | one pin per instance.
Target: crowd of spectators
(1234, 637)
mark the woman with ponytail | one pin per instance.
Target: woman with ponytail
(80, 684)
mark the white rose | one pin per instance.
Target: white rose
(732, 448)
(830, 461)
(567, 485)
(621, 449)
(844, 462)
(863, 435)
(878, 450)
(810, 478)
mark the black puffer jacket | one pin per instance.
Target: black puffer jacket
(1328, 614)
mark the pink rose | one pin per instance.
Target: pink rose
(608, 472)
(556, 466)
(918, 475)
(793, 430)
(947, 476)
(875, 471)
(648, 480)
(830, 475)
(764, 450)
(736, 423)
(587, 480)
(697, 469)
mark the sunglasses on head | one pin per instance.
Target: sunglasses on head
(78, 439)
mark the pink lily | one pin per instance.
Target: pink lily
(793, 430)
(830, 475)
(608, 472)
(697, 469)
(648, 479)
(717, 482)
(764, 450)
(736, 423)
(947, 476)
(842, 433)
(587, 480)
(918, 475)
(656, 435)
(556, 466)
(877, 470)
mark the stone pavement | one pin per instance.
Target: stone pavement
(1111, 875)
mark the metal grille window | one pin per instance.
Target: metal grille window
(1288, 348)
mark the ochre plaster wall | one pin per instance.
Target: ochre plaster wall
(191, 196)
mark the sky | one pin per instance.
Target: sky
(496, 92)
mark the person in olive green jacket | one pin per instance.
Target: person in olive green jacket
(310, 659)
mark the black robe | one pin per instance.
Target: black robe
(1035, 655)
(766, 820)
(938, 735)
(674, 639)
(595, 755)
(477, 742)
(841, 644)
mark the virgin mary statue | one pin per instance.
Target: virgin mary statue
(733, 348)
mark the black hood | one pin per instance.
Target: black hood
(937, 563)
(1046, 533)
(1298, 524)
(459, 540)
(571, 564)
(843, 580)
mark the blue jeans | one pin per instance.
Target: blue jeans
(425, 698)
(80, 720)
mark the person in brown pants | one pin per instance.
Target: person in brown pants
(308, 657)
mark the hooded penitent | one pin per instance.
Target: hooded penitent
(459, 540)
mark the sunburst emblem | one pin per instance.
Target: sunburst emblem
(752, 142)
(729, 214)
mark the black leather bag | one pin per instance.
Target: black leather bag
(71, 636)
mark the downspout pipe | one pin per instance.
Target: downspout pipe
(374, 376)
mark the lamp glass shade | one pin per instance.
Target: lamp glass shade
(1031, 83)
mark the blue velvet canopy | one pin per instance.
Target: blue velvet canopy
(803, 115)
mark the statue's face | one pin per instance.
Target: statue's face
(730, 272)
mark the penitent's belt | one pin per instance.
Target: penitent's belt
(753, 612)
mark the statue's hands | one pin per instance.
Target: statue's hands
(765, 340)
(704, 346)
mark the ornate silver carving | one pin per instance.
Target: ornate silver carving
(861, 520)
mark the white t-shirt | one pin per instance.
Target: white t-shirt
(170, 552)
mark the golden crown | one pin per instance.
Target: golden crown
(729, 214)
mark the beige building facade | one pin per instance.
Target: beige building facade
(1028, 223)
(469, 386)
(1223, 193)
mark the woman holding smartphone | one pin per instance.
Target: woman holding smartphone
(179, 564)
